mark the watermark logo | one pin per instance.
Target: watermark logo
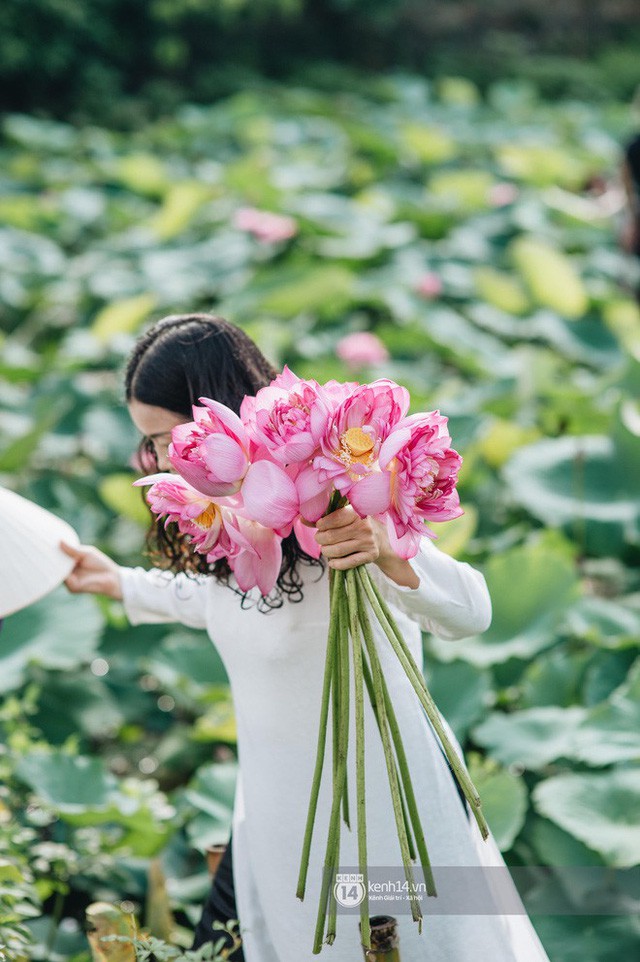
(349, 890)
(487, 890)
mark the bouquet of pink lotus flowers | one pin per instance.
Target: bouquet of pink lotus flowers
(298, 450)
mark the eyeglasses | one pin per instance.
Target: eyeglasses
(150, 447)
(147, 455)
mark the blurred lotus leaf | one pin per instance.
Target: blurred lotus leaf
(602, 809)
(122, 317)
(550, 276)
(530, 588)
(504, 799)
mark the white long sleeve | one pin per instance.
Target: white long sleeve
(452, 599)
(155, 597)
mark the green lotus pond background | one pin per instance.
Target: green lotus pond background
(119, 742)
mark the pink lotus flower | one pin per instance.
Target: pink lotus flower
(255, 554)
(245, 483)
(338, 391)
(314, 492)
(502, 194)
(266, 227)
(422, 472)
(211, 452)
(354, 435)
(286, 418)
(361, 349)
(306, 537)
(429, 285)
(170, 496)
(270, 496)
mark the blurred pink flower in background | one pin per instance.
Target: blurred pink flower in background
(267, 227)
(361, 349)
(429, 285)
(502, 194)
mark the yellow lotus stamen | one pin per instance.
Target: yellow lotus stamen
(207, 518)
(359, 442)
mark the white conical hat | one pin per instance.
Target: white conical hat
(31, 562)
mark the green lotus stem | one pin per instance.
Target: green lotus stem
(415, 676)
(333, 907)
(388, 754)
(372, 699)
(322, 737)
(349, 619)
(343, 724)
(414, 815)
(417, 680)
(403, 765)
(335, 701)
(354, 625)
(345, 804)
(333, 840)
(335, 692)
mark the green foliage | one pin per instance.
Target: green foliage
(108, 60)
(597, 808)
(114, 937)
(160, 951)
(550, 477)
(454, 227)
(525, 616)
(19, 900)
(504, 798)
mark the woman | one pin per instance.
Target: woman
(630, 237)
(273, 651)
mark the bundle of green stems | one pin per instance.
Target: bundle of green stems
(354, 599)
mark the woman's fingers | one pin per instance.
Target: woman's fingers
(337, 519)
(72, 550)
(346, 539)
(352, 561)
(74, 579)
(72, 582)
(344, 548)
(93, 572)
(355, 527)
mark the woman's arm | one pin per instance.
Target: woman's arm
(452, 599)
(149, 597)
(156, 596)
(444, 596)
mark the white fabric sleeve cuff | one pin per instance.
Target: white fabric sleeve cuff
(452, 600)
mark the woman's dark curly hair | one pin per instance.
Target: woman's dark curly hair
(178, 360)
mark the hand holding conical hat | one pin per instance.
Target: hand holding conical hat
(31, 562)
